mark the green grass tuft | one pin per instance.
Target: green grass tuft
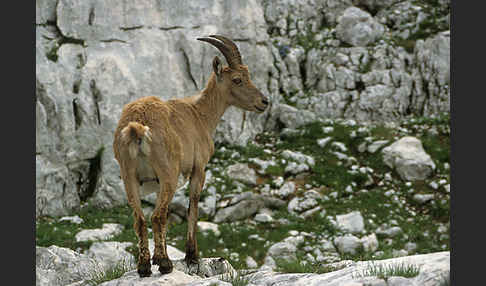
(296, 266)
(100, 275)
(236, 279)
(386, 271)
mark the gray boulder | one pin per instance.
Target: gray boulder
(241, 210)
(358, 28)
(352, 222)
(347, 243)
(243, 173)
(108, 231)
(58, 266)
(282, 250)
(409, 159)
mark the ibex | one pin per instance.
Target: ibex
(156, 141)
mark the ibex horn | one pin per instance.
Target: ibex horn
(226, 47)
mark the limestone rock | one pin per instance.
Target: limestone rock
(423, 198)
(250, 262)
(243, 173)
(110, 253)
(373, 147)
(204, 227)
(56, 266)
(352, 222)
(347, 244)
(176, 277)
(73, 219)
(409, 159)
(293, 118)
(108, 231)
(263, 218)
(370, 243)
(172, 252)
(433, 267)
(282, 250)
(358, 28)
(241, 210)
(287, 189)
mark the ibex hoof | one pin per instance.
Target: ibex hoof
(191, 260)
(165, 265)
(143, 269)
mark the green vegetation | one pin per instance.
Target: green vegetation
(236, 279)
(50, 231)
(384, 272)
(297, 266)
(100, 275)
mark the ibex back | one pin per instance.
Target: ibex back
(156, 141)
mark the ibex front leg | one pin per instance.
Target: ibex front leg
(197, 181)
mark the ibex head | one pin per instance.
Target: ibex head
(235, 78)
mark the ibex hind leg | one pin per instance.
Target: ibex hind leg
(168, 184)
(140, 225)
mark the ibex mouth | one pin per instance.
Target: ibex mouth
(260, 109)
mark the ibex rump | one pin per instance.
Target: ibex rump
(156, 141)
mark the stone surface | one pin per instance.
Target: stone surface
(56, 266)
(352, 222)
(181, 275)
(205, 227)
(250, 262)
(282, 250)
(172, 252)
(60, 266)
(111, 253)
(433, 267)
(107, 231)
(241, 210)
(347, 244)
(287, 189)
(356, 27)
(370, 242)
(243, 173)
(389, 231)
(409, 159)
(423, 198)
(73, 219)
(263, 218)
(373, 147)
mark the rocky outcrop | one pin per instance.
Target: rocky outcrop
(61, 266)
(366, 60)
(433, 268)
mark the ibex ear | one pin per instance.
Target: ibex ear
(218, 67)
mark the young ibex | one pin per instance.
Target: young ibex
(156, 141)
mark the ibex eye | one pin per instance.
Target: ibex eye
(237, 80)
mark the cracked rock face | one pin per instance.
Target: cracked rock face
(93, 57)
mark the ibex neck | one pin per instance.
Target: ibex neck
(211, 105)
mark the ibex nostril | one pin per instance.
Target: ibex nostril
(265, 101)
